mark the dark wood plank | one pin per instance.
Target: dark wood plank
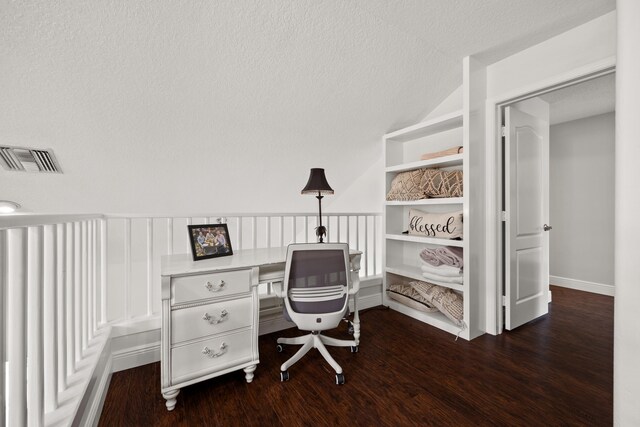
(556, 370)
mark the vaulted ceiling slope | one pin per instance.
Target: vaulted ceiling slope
(111, 79)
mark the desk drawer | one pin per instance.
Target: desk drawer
(211, 355)
(195, 322)
(202, 286)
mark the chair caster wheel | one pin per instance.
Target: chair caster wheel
(279, 348)
(339, 379)
(284, 376)
(354, 349)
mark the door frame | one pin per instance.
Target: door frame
(494, 230)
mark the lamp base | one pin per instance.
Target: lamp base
(321, 231)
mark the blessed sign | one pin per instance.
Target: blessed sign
(441, 225)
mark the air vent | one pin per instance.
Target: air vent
(28, 159)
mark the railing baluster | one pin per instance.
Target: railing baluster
(94, 277)
(358, 232)
(254, 232)
(306, 229)
(70, 307)
(16, 327)
(91, 278)
(61, 244)
(127, 268)
(281, 223)
(149, 266)
(375, 246)
(239, 232)
(103, 271)
(268, 229)
(84, 301)
(77, 293)
(169, 236)
(50, 276)
(294, 231)
(35, 371)
(366, 245)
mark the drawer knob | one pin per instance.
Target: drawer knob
(213, 320)
(215, 288)
(207, 351)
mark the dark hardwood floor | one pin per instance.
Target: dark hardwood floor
(554, 371)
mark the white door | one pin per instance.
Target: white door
(527, 212)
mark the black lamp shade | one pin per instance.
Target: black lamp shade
(317, 183)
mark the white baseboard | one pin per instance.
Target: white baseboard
(274, 323)
(581, 285)
(369, 301)
(136, 356)
(102, 387)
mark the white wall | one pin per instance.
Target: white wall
(579, 47)
(582, 199)
(626, 345)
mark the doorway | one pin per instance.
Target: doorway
(558, 236)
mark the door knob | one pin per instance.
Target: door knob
(546, 227)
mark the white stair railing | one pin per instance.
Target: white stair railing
(50, 279)
(136, 243)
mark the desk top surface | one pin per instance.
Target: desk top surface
(245, 258)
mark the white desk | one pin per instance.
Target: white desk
(210, 314)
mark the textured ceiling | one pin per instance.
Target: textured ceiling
(121, 85)
(590, 98)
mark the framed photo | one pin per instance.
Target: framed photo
(209, 241)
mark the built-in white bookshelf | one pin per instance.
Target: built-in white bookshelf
(403, 150)
(402, 263)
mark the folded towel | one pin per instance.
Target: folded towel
(442, 270)
(442, 279)
(428, 255)
(447, 255)
(448, 152)
(450, 255)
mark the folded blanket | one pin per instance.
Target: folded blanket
(428, 255)
(442, 279)
(450, 255)
(447, 152)
(442, 270)
(447, 255)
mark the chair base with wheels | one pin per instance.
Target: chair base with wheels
(314, 340)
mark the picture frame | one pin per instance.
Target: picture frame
(209, 241)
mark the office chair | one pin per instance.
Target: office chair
(317, 285)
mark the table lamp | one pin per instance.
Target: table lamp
(318, 186)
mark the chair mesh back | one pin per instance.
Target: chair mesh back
(318, 268)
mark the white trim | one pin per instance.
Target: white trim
(228, 215)
(23, 220)
(135, 325)
(494, 279)
(136, 356)
(583, 285)
(101, 390)
(569, 78)
(274, 323)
